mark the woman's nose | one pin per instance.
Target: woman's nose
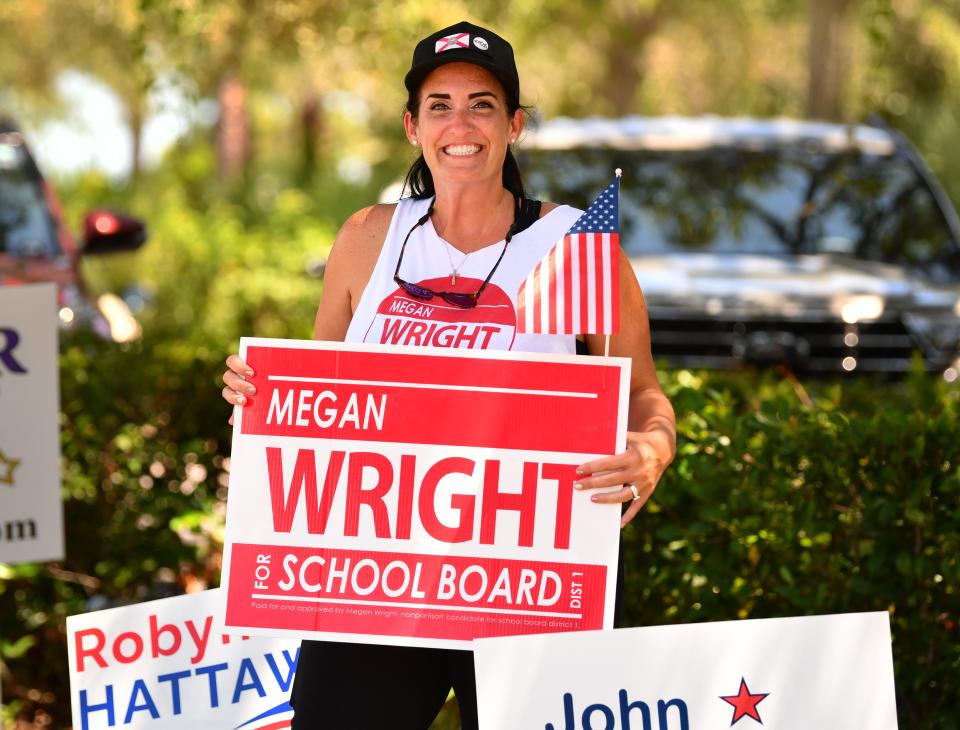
(461, 118)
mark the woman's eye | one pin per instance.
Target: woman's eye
(483, 105)
(439, 107)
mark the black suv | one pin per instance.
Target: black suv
(827, 248)
(36, 246)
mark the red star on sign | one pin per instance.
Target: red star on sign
(744, 703)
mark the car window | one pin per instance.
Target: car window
(781, 201)
(26, 226)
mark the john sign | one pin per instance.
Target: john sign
(823, 672)
(165, 665)
(401, 496)
(31, 516)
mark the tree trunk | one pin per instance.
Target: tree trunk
(311, 123)
(623, 57)
(828, 54)
(233, 130)
(136, 141)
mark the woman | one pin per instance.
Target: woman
(464, 242)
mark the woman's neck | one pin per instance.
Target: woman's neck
(471, 218)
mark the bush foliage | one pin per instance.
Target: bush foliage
(783, 502)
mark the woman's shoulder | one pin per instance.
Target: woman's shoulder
(367, 224)
(359, 242)
(548, 206)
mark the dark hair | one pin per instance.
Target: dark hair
(419, 179)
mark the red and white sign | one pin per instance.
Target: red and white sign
(166, 665)
(394, 495)
(823, 672)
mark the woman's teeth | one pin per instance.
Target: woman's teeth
(459, 150)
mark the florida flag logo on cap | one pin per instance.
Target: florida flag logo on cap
(456, 40)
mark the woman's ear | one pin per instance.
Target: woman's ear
(516, 125)
(410, 127)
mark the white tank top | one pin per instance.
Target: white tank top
(388, 315)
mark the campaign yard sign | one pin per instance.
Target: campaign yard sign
(31, 515)
(167, 664)
(823, 672)
(398, 495)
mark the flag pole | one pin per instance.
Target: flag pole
(606, 340)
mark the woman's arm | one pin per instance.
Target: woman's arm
(651, 424)
(349, 267)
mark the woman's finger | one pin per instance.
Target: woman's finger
(237, 383)
(232, 396)
(607, 463)
(617, 496)
(239, 366)
(610, 479)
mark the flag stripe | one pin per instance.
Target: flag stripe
(562, 322)
(584, 283)
(531, 303)
(548, 284)
(590, 254)
(537, 297)
(577, 313)
(615, 282)
(606, 304)
(568, 283)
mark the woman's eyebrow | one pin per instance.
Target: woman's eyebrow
(474, 95)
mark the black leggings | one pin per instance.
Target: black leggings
(370, 686)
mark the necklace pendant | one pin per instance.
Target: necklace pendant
(453, 277)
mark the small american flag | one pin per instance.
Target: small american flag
(575, 288)
(457, 40)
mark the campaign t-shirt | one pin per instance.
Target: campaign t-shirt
(388, 315)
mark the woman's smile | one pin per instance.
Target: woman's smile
(461, 150)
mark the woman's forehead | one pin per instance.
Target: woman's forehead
(460, 77)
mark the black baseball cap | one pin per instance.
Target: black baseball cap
(471, 44)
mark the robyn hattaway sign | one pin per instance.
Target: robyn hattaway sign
(167, 665)
(31, 514)
(823, 672)
(400, 496)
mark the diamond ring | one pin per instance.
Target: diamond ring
(636, 494)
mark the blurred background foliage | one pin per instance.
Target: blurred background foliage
(786, 498)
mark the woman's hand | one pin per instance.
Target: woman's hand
(637, 471)
(237, 389)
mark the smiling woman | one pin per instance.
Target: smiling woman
(442, 268)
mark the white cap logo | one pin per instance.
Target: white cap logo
(481, 43)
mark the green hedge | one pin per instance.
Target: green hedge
(780, 502)
(783, 502)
